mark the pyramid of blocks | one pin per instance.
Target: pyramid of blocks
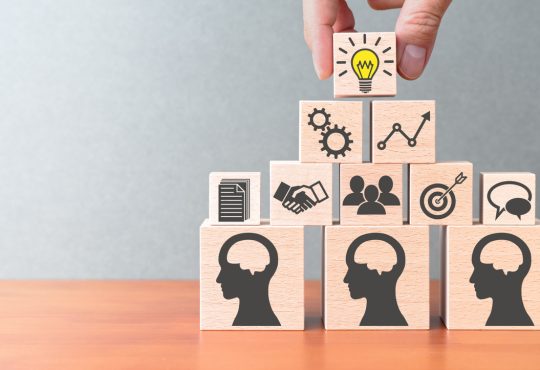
(376, 251)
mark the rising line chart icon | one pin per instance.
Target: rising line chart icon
(396, 128)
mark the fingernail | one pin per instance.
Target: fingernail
(317, 68)
(412, 61)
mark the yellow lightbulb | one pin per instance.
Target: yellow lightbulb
(364, 64)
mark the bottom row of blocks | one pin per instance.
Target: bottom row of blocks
(374, 277)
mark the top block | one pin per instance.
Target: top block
(364, 64)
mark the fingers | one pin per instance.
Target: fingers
(345, 18)
(416, 30)
(385, 4)
(321, 19)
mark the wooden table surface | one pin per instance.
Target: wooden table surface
(155, 325)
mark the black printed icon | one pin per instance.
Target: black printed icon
(438, 201)
(364, 62)
(379, 289)
(251, 289)
(298, 199)
(371, 200)
(505, 289)
(233, 200)
(335, 141)
(397, 129)
(516, 206)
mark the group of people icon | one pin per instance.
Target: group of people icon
(371, 199)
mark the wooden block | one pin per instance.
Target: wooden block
(386, 265)
(251, 277)
(330, 131)
(491, 277)
(403, 131)
(364, 64)
(441, 193)
(235, 198)
(507, 198)
(371, 194)
(300, 193)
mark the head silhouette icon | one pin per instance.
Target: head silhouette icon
(378, 289)
(386, 197)
(357, 187)
(504, 289)
(251, 289)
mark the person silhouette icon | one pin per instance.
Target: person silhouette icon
(252, 290)
(505, 290)
(356, 197)
(371, 206)
(386, 197)
(378, 289)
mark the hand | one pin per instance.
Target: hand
(297, 199)
(416, 30)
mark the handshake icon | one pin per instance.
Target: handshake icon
(300, 198)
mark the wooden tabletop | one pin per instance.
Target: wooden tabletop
(155, 325)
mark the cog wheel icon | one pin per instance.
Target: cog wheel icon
(330, 149)
(313, 119)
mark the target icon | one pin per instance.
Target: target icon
(438, 201)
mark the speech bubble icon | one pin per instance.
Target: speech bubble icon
(516, 206)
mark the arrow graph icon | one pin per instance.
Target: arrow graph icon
(396, 128)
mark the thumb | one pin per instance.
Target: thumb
(416, 30)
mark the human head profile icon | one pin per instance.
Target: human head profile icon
(251, 289)
(505, 289)
(378, 289)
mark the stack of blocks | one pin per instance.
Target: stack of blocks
(376, 265)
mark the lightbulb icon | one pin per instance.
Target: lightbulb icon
(370, 60)
(365, 63)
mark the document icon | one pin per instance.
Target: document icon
(233, 200)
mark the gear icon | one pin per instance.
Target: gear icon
(336, 131)
(312, 119)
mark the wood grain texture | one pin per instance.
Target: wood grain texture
(408, 114)
(462, 308)
(412, 288)
(286, 288)
(421, 176)
(371, 175)
(343, 115)
(346, 82)
(293, 174)
(136, 325)
(503, 193)
(254, 197)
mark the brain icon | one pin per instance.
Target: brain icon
(377, 254)
(497, 253)
(250, 254)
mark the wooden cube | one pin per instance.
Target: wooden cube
(330, 131)
(491, 277)
(403, 131)
(235, 198)
(251, 277)
(364, 64)
(386, 265)
(507, 198)
(441, 193)
(371, 194)
(300, 193)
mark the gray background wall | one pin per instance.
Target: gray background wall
(114, 112)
